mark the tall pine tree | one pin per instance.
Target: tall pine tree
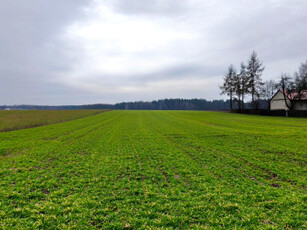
(243, 81)
(254, 72)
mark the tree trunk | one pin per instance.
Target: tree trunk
(230, 101)
(291, 103)
(253, 98)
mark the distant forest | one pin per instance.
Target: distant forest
(164, 104)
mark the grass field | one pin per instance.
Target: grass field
(16, 119)
(156, 169)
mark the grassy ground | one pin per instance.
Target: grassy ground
(158, 169)
(17, 119)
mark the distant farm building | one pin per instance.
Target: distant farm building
(277, 102)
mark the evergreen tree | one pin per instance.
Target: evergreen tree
(254, 72)
(237, 89)
(243, 81)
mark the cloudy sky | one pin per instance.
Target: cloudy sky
(106, 51)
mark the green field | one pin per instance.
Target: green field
(18, 119)
(156, 169)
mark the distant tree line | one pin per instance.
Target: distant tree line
(164, 104)
(248, 82)
(175, 104)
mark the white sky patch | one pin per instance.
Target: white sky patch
(119, 48)
(115, 44)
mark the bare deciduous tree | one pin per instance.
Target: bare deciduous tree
(287, 88)
(269, 89)
(300, 77)
(294, 88)
(228, 86)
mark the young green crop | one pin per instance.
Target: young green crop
(156, 170)
(21, 119)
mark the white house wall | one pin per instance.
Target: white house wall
(278, 102)
(278, 105)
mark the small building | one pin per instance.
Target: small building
(277, 102)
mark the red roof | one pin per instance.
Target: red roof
(295, 95)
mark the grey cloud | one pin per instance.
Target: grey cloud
(178, 72)
(30, 51)
(183, 71)
(284, 32)
(150, 7)
(33, 54)
(276, 29)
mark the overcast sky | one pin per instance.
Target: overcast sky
(106, 51)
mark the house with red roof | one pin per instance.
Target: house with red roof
(284, 101)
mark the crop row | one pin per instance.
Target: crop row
(156, 169)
